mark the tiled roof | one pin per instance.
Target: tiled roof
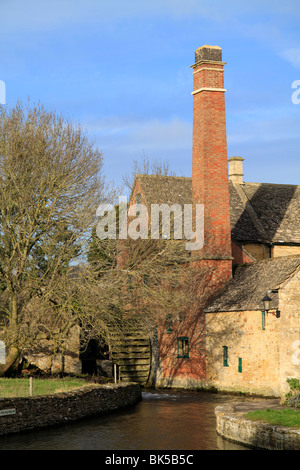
(260, 212)
(166, 189)
(278, 208)
(251, 282)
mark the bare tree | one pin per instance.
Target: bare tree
(51, 182)
(150, 282)
(147, 167)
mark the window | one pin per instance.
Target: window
(183, 346)
(240, 368)
(169, 324)
(225, 356)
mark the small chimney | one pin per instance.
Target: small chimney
(236, 169)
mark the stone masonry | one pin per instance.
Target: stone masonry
(60, 408)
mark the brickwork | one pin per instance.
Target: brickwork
(190, 371)
(210, 188)
(178, 371)
(210, 171)
(240, 256)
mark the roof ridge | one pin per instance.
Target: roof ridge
(163, 176)
(277, 258)
(244, 291)
(270, 184)
(286, 280)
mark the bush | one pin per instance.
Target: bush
(293, 396)
(294, 384)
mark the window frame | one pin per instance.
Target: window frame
(169, 323)
(225, 356)
(183, 346)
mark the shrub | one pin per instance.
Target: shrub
(293, 396)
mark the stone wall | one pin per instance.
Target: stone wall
(258, 251)
(282, 250)
(268, 354)
(257, 348)
(234, 427)
(46, 410)
(289, 336)
(261, 251)
(42, 355)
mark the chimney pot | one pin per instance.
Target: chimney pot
(236, 169)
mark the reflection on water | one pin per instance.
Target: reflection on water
(162, 420)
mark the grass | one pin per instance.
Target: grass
(286, 417)
(20, 387)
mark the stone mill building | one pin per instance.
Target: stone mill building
(246, 337)
(252, 246)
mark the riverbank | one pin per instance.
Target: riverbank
(27, 413)
(232, 424)
(29, 386)
(158, 421)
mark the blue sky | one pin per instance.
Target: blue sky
(122, 70)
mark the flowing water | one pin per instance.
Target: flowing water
(179, 420)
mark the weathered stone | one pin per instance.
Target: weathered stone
(235, 427)
(47, 410)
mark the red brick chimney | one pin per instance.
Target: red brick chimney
(210, 170)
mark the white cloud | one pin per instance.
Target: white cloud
(124, 140)
(292, 56)
(264, 125)
(135, 134)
